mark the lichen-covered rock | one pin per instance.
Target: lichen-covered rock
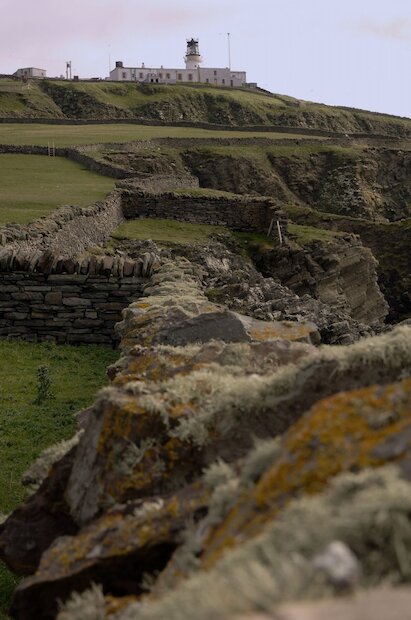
(175, 311)
(166, 477)
(362, 511)
(346, 432)
(143, 437)
(38, 471)
(119, 551)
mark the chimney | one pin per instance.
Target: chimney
(119, 64)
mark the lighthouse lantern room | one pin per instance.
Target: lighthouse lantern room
(193, 57)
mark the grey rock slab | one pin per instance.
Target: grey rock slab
(220, 325)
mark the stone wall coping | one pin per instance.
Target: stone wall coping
(12, 261)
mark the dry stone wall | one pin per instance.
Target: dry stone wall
(78, 154)
(237, 213)
(48, 293)
(68, 231)
(68, 301)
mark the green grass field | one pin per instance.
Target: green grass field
(26, 429)
(34, 185)
(69, 135)
(170, 231)
(165, 231)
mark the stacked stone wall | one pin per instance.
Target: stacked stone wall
(238, 213)
(68, 231)
(76, 154)
(74, 302)
(52, 289)
(72, 309)
(286, 129)
(160, 182)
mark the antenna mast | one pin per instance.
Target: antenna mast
(229, 50)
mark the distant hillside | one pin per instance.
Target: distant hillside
(52, 99)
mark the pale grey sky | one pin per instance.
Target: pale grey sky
(354, 53)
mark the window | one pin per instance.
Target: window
(215, 72)
(180, 76)
(223, 81)
(141, 75)
(124, 75)
(168, 76)
(190, 77)
(207, 81)
(160, 75)
(232, 83)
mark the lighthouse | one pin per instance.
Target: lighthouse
(193, 57)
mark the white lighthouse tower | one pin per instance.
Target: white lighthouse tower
(193, 58)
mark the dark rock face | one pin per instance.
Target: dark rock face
(213, 325)
(30, 530)
(341, 274)
(334, 285)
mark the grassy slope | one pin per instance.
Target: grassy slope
(25, 101)
(34, 185)
(25, 428)
(53, 99)
(68, 135)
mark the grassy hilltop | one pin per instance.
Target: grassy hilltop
(54, 99)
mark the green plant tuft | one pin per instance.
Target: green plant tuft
(44, 385)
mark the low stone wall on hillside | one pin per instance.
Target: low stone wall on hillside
(160, 182)
(238, 213)
(51, 290)
(76, 154)
(286, 129)
(81, 154)
(68, 231)
(74, 302)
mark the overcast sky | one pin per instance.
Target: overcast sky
(354, 52)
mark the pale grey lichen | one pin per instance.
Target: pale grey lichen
(368, 512)
(259, 460)
(218, 473)
(89, 605)
(38, 471)
(126, 454)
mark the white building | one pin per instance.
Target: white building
(193, 72)
(30, 72)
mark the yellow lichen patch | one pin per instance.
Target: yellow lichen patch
(119, 420)
(116, 535)
(347, 432)
(285, 331)
(155, 367)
